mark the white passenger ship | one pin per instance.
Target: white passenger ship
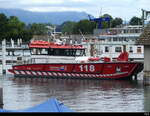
(111, 42)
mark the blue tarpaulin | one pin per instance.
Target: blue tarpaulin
(51, 105)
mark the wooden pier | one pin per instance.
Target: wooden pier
(9, 54)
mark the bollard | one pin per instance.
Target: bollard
(4, 71)
(146, 78)
(1, 98)
(4, 56)
(135, 77)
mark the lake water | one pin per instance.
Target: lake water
(78, 95)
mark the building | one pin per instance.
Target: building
(144, 39)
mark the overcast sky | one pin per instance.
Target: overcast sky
(117, 8)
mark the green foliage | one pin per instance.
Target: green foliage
(107, 24)
(135, 21)
(112, 23)
(67, 27)
(39, 29)
(13, 28)
(3, 26)
(116, 21)
(85, 26)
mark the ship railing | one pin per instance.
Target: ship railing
(48, 60)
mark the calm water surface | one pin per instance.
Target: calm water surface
(78, 95)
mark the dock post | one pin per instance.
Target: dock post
(4, 56)
(12, 43)
(1, 98)
(1, 92)
(146, 78)
(135, 77)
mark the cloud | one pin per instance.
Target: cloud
(46, 9)
(80, 0)
(33, 2)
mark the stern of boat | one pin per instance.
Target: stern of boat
(139, 68)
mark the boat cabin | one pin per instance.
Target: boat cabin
(54, 49)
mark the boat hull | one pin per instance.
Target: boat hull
(117, 70)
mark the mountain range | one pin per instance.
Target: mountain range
(57, 18)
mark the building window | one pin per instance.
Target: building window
(139, 50)
(106, 49)
(118, 49)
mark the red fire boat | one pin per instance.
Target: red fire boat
(103, 68)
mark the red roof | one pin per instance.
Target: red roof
(45, 44)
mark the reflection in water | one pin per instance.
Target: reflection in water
(79, 95)
(147, 99)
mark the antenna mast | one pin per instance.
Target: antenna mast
(100, 12)
(145, 15)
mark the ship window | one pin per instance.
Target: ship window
(51, 51)
(139, 50)
(136, 31)
(57, 52)
(131, 50)
(35, 51)
(114, 39)
(118, 49)
(44, 51)
(78, 52)
(106, 49)
(66, 52)
(120, 39)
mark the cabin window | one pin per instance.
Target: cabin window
(78, 52)
(131, 49)
(66, 52)
(51, 51)
(35, 51)
(44, 51)
(139, 50)
(118, 49)
(106, 49)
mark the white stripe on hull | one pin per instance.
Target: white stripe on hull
(16, 72)
(28, 72)
(34, 73)
(22, 72)
(58, 74)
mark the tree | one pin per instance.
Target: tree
(135, 21)
(27, 35)
(67, 27)
(85, 26)
(39, 29)
(106, 24)
(115, 22)
(3, 26)
(15, 28)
